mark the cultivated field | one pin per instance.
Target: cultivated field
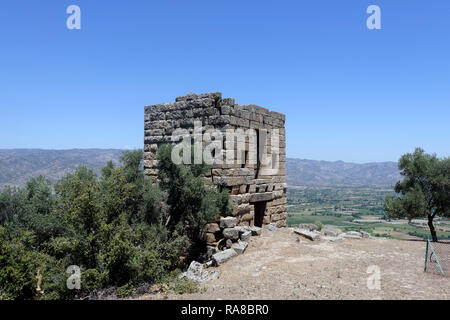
(356, 208)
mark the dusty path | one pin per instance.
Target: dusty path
(281, 265)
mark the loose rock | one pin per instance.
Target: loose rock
(311, 235)
(246, 235)
(212, 227)
(242, 229)
(195, 273)
(210, 238)
(210, 250)
(328, 231)
(231, 233)
(365, 234)
(271, 227)
(240, 248)
(256, 231)
(223, 256)
(350, 235)
(228, 222)
(334, 239)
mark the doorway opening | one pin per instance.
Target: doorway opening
(260, 209)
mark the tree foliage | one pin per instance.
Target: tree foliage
(191, 203)
(424, 190)
(114, 227)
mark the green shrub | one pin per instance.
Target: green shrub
(192, 204)
(319, 225)
(92, 279)
(182, 286)
(125, 291)
(120, 229)
(13, 204)
(148, 266)
(16, 265)
(118, 255)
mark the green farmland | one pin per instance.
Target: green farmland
(352, 208)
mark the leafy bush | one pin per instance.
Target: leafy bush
(319, 225)
(16, 265)
(184, 285)
(192, 204)
(125, 291)
(121, 229)
(92, 279)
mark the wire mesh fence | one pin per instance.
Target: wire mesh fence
(437, 257)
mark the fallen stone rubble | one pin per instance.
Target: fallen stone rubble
(224, 256)
(311, 235)
(237, 238)
(196, 273)
(310, 232)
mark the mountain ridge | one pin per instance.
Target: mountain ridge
(305, 172)
(18, 165)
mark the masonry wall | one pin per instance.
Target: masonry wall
(253, 185)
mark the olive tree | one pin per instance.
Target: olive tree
(424, 190)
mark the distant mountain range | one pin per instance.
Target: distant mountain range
(18, 165)
(302, 172)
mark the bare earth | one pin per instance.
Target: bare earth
(278, 266)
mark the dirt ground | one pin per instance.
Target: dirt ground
(281, 265)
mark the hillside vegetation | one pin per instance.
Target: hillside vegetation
(119, 229)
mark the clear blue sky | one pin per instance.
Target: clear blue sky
(349, 93)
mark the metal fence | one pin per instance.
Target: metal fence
(437, 257)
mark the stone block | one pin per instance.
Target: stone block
(351, 235)
(365, 234)
(256, 231)
(227, 222)
(223, 256)
(240, 247)
(246, 235)
(329, 231)
(231, 233)
(247, 216)
(280, 223)
(211, 228)
(266, 196)
(210, 238)
(311, 235)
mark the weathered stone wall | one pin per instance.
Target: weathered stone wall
(249, 181)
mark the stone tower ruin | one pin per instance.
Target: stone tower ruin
(246, 144)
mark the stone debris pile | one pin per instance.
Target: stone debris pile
(311, 235)
(227, 230)
(196, 273)
(236, 242)
(355, 235)
(329, 233)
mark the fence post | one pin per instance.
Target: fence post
(437, 259)
(426, 255)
